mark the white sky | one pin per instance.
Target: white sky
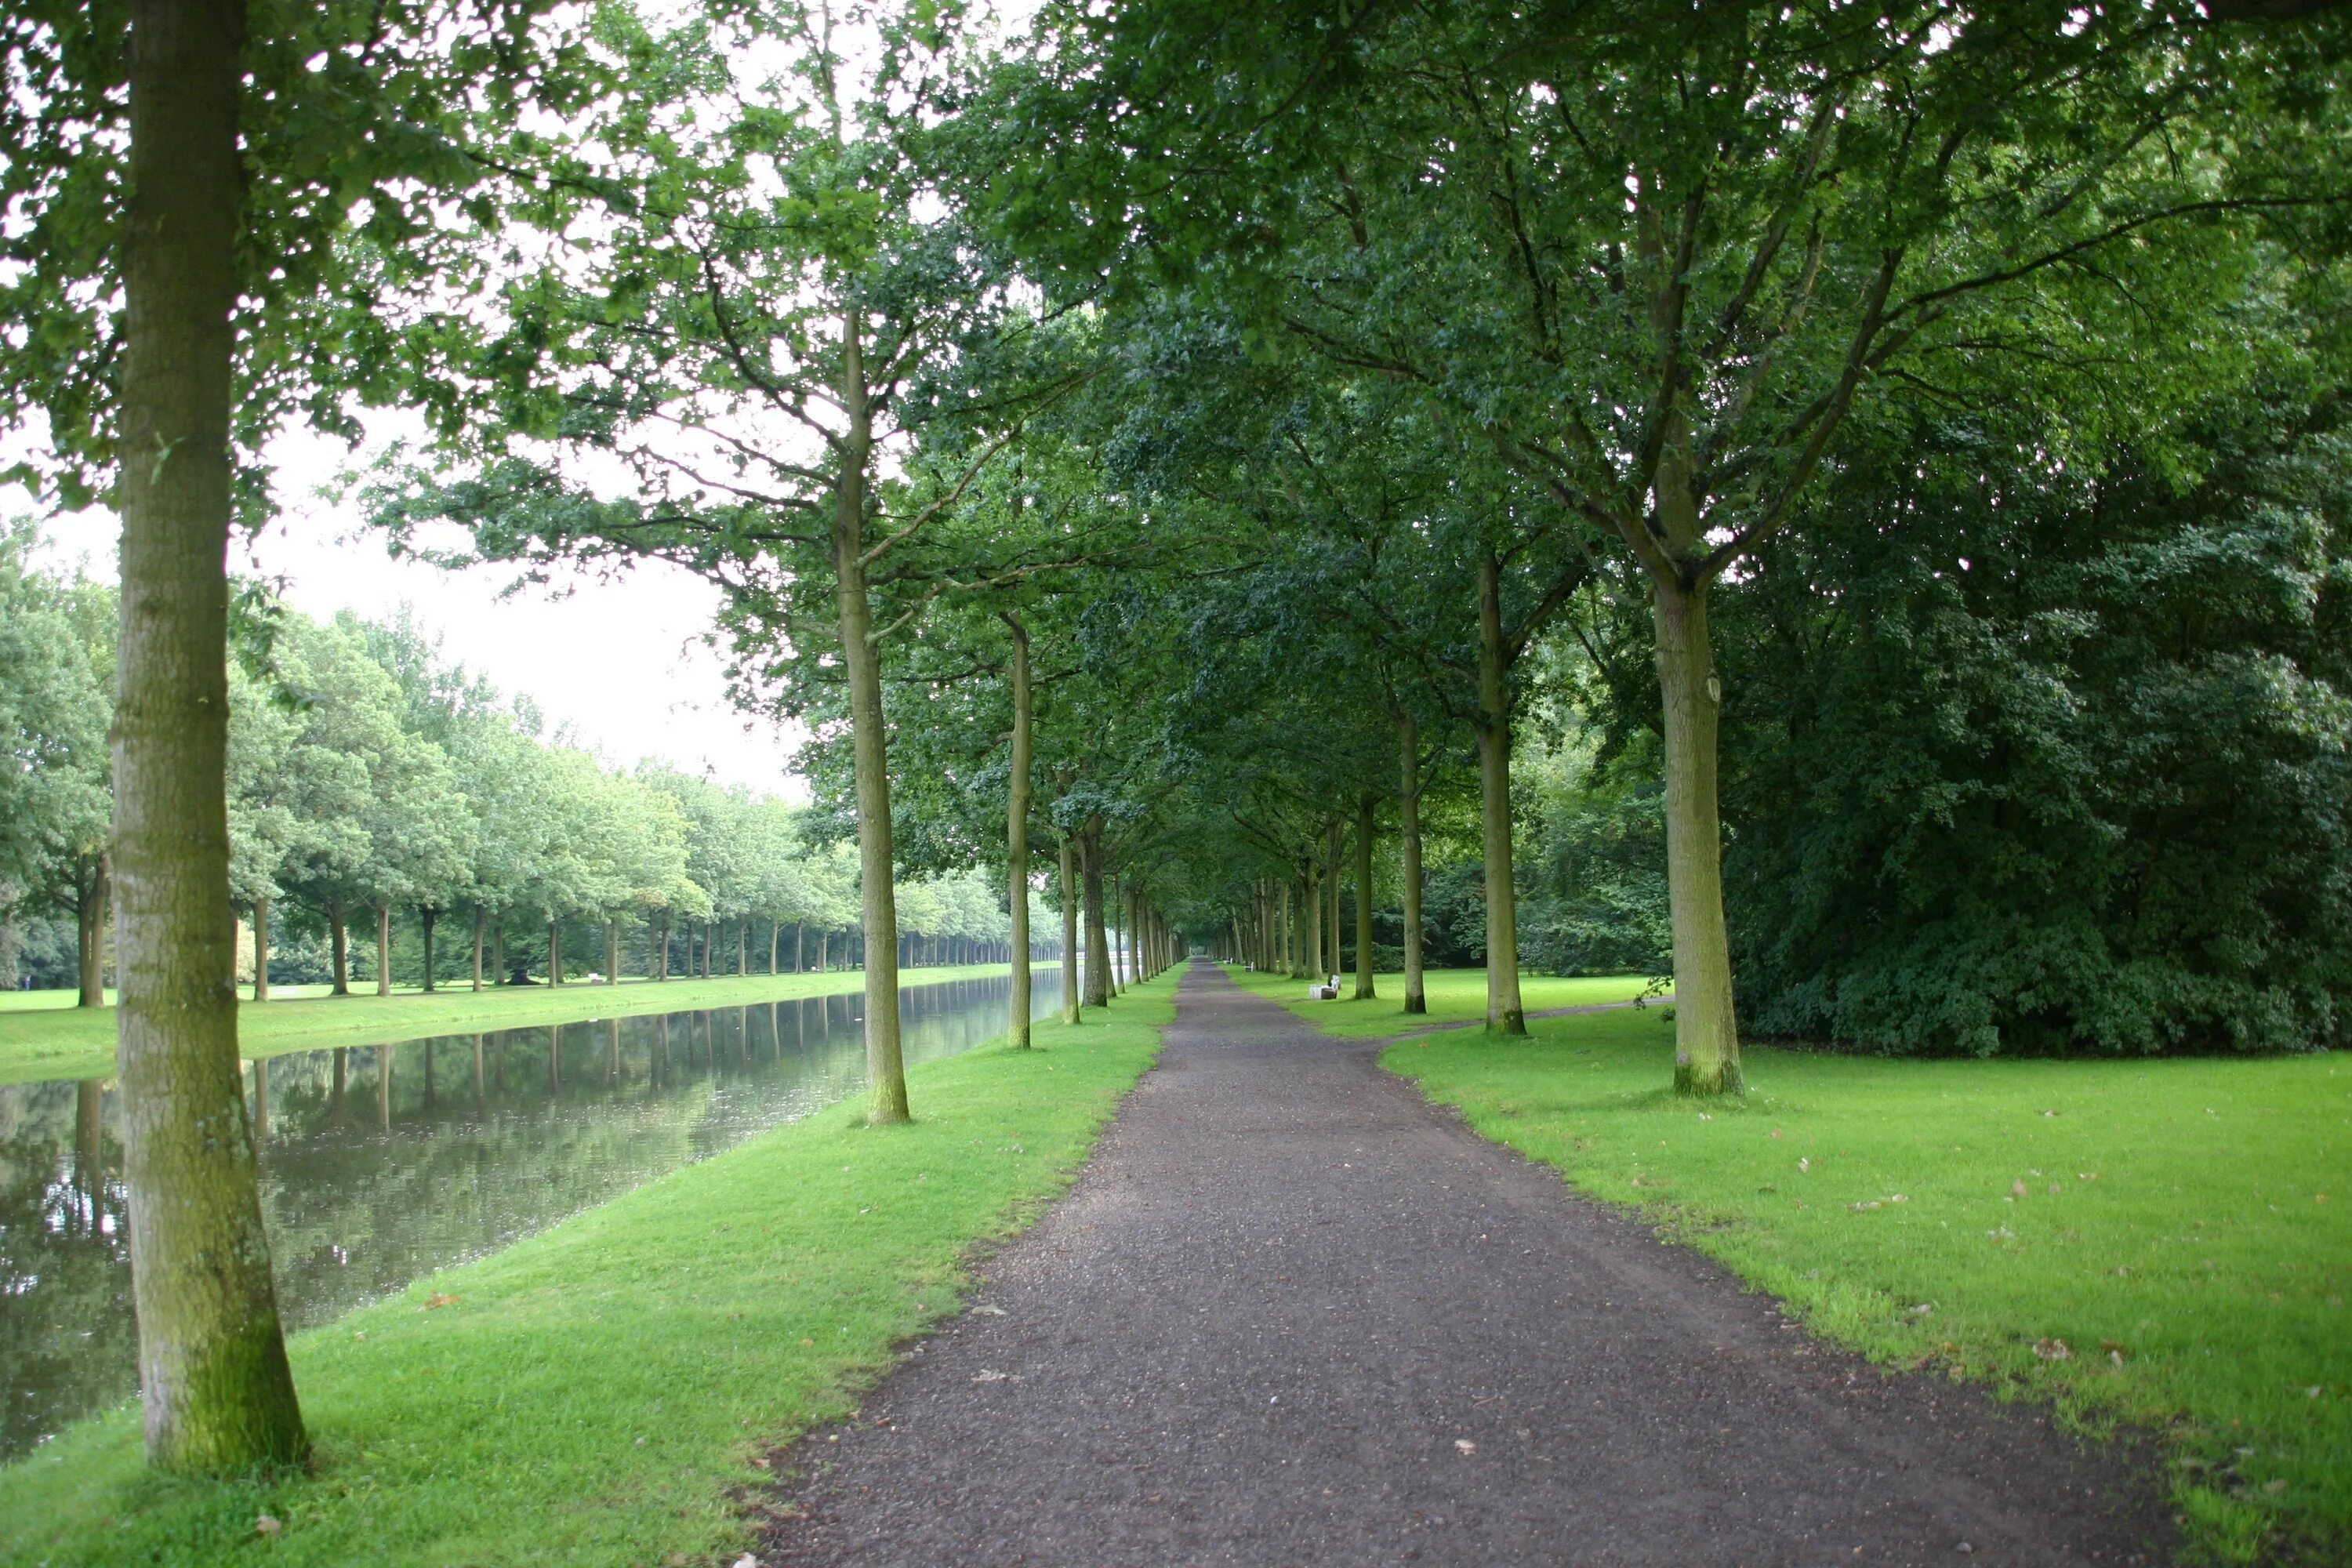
(621, 665)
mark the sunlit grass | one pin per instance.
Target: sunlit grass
(594, 1395)
(2179, 1227)
(1454, 995)
(79, 1042)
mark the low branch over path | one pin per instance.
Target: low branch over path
(1292, 1314)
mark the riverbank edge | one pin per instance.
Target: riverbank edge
(2241, 1524)
(79, 1042)
(602, 1393)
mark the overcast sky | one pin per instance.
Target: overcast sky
(620, 664)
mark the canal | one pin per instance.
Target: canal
(380, 1164)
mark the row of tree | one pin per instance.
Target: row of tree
(370, 782)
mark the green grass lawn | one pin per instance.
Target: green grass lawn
(595, 1394)
(79, 1042)
(1454, 995)
(2184, 1227)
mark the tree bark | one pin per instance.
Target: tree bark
(1070, 1000)
(383, 950)
(429, 917)
(1505, 1012)
(886, 1069)
(1364, 829)
(775, 943)
(1337, 965)
(1312, 896)
(1416, 999)
(1090, 869)
(90, 930)
(612, 951)
(1016, 833)
(1707, 1033)
(261, 950)
(554, 951)
(215, 1389)
(800, 954)
(478, 918)
(338, 939)
(743, 947)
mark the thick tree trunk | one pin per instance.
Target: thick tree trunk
(479, 916)
(1707, 1034)
(1118, 914)
(261, 950)
(215, 1388)
(1336, 964)
(383, 950)
(612, 952)
(1016, 833)
(823, 939)
(339, 941)
(1312, 896)
(555, 952)
(886, 1070)
(89, 931)
(1097, 938)
(1364, 830)
(1070, 999)
(1416, 999)
(1505, 1012)
(429, 918)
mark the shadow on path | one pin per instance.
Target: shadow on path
(1291, 1314)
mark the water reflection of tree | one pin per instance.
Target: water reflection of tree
(67, 1339)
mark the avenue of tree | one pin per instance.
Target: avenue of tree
(1842, 505)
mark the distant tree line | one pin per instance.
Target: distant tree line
(394, 820)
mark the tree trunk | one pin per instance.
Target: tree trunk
(800, 935)
(1070, 999)
(1505, 1012)
(886, 1070)
(554, 951)
(1311, 895)
(1364, 829)
(612, 951)
(1097, 938)
(775, 943)
(1336, 963)
(742, 947)
(339, 940)
(261, 950)
(91, 882)
(659, 958)
(1016, 835)
(1707, 1034)
(215, 1389)
(823, 940)
(478, 917)
(430, 918)
(1416, 999)
(383, 950)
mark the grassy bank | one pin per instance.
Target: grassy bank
(79, 1042)
(592, 1394)
(1454, 995)
(2167, 1244)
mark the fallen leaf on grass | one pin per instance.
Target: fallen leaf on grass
(437, 1299)
(2016, 1189)
(1804, 1165)
(2053, 1350)
(267, 1527)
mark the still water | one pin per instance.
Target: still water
(380, 1164)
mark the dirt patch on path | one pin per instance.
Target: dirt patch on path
(1291, 1314)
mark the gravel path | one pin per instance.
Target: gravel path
(1292, 1315)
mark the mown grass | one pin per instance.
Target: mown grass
(594, 1395)
(79, 1042)
(1454, 995)
(2183, 1228)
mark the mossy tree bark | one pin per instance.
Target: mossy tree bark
(91, 894)
(1505, 1012)
(886, 1070)
(1090, 870)
(261, 950)
(1016, 831)
(215, 1393)
(1364, 830)
(1416, 997)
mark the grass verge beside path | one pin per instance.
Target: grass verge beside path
(79, 1042)
(1455, 996)
(593, 1395)
(2165, 1244)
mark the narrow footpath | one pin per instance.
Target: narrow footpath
(1292, 1315)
